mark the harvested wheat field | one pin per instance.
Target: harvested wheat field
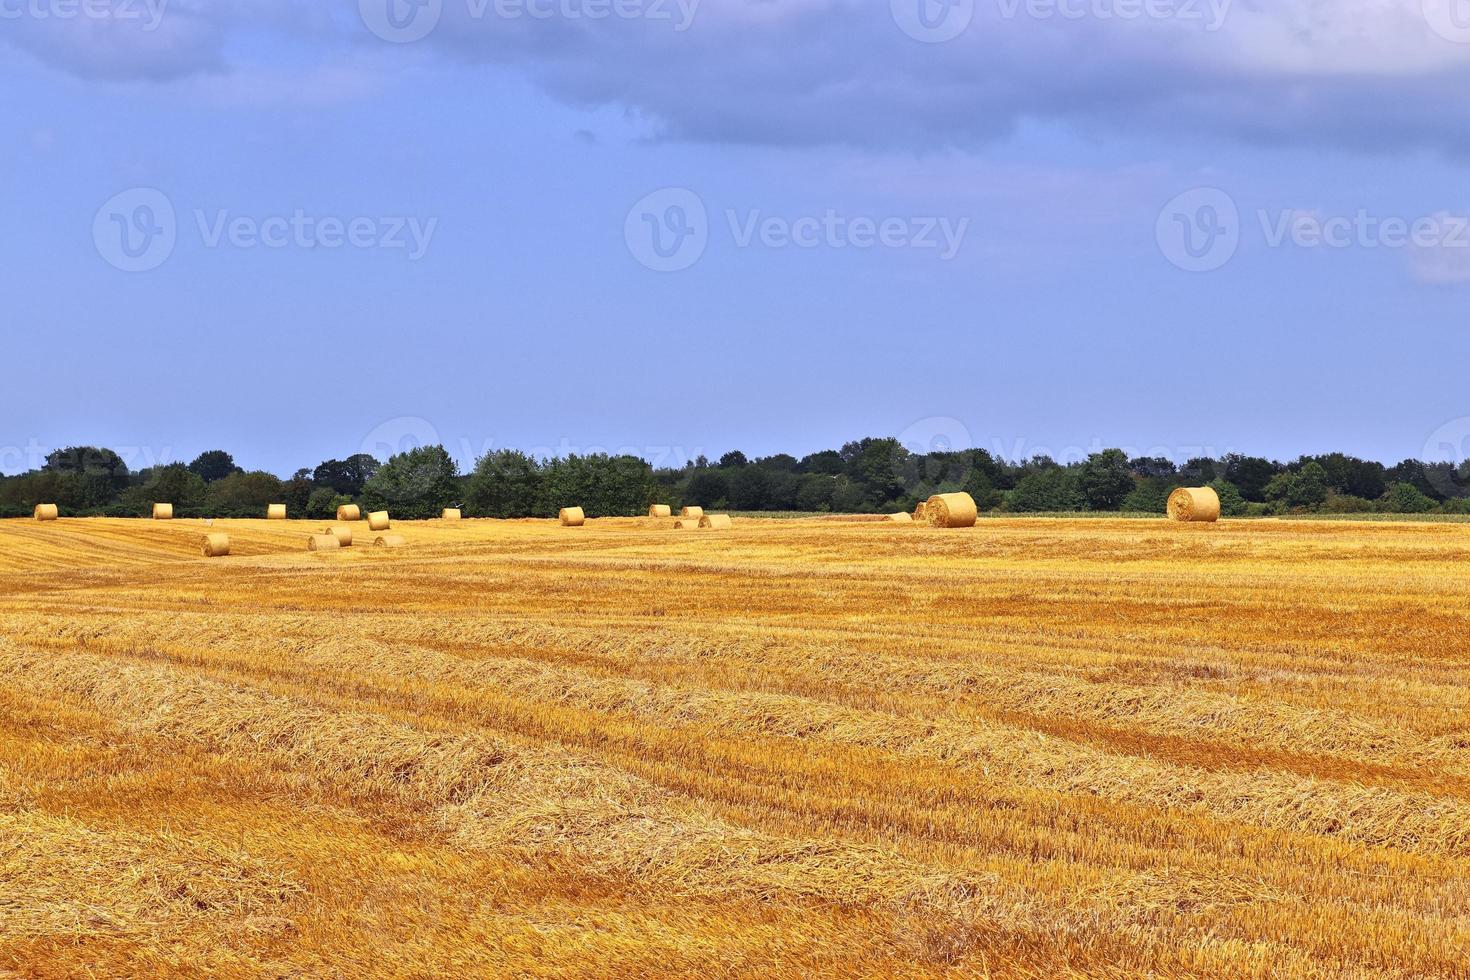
(837, 748)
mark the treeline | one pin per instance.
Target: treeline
(867, 476)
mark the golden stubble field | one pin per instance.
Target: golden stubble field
(836, 748)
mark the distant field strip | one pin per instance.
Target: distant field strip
(1035, 748)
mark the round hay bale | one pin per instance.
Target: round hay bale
(47, 512)
(378, 521)
(389, 541)
(687, 524)
(216, 545)
(451, 514)
(573, 517)
(693, 512)
(342, 534)
(349, 512)
(1194, 505)
(660, 511)
(275, 512)
(952, 510)
(323, 542)
(715, 522)
(163, 512)
(903, 518)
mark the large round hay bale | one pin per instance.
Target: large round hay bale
(216, 545)
(342, 534)
(323, 542)
(389, 541)
(716, 522)
(163, 512)
(275, 512)
(349, 512)
(952, 510)
(687, 524)
(47, 512)
(378, 521)
(451, 514)
(1194, 505)
(902, 518)
(694, 512)
(573, 517)
(660, 511)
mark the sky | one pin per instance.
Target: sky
(299, 229)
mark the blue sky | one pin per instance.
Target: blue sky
(264, 227)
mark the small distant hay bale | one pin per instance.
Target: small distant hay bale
(903, 518)
(275, 512)
(715, 522)
(349, 512)
(216, 545)
(389, 541)
(342, 534)
(1194, 505)
(378, 521)
(687, 524)
(163, 512)
(323, 542)
(661, 511)
(692, 512)
(952, 510)
(451, 514)
(573, 517)
(47, 512)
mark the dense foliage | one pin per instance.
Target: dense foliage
(867, 476)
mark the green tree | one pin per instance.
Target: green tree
(1047, 490)
(814, 493)
(87, 478)
(707, 488)
(216, 464)
(1232, 504)
(733, 459)
(506, 484)
(1250, 474)
(172, 484)
(1405, 498)
(750, 488)
(1106, 479)
(1150, 496)
(242, 495)
(414, 485)
(346, 476)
